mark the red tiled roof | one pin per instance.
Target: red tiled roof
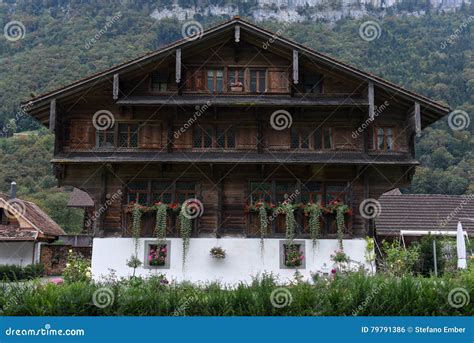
(14, 233)
(424, 212)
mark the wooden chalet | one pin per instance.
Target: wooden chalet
(194, 120)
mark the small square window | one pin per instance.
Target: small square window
(292, 256)
(157, 254)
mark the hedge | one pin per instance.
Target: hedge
(353, 294)
(11, 272)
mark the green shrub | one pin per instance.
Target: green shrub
(78, 269)
(13, 272)
(398, 260)
(343, 295)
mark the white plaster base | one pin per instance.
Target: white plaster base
(19, 253)
(243, 258)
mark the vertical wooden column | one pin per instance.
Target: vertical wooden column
(115, 88)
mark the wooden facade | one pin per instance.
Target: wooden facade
(196, 120)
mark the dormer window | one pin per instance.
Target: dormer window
(215, 80)
(313, 83)
(258, 80)
(159, 82)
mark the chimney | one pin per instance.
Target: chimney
(13, 190)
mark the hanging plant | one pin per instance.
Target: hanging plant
(185, 228)
(262, 215)
(160, 226)
(288, 209)
(314, 212)
(340, 225)
(136, 225)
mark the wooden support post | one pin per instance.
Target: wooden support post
(178, 65)
(371, 100)
(52, 115)
(115, 90)
(295, 67)
(237, 33)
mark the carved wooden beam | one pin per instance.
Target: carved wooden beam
(178, 65)
(237, 33)
(371, 98)
(52, 115)
(295, 67)
(115, 90)
(417, 119)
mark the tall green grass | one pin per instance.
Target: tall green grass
(346, 295)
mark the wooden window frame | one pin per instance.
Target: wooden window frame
(129, 135)
(150, 190)
(214, 79)
(112, 131)
(234, 73)
(226, 132)
(202, 129)
(301, 139)
(323, 140)
(376, 137)
(167, 83)
(257, 81)
(319, 85)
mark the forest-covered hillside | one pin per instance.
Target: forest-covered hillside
(431, 54)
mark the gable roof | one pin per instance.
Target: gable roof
(79, 198)
(436, 108)
(35, 216)
(424, 212)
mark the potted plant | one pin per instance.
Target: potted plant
(157, 255)
(236, 86)
(293, 256)
(217, 252)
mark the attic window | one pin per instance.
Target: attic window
(159, 82)
(313, 83)
(258, 80)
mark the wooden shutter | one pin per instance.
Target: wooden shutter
(277, 139)
(278, 81)
(149, 136)
(182, 140)
(82, 134)
(246, 137)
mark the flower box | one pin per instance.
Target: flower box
(157, 254)
(236, 88)
(292, 255)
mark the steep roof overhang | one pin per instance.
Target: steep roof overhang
(432, 109)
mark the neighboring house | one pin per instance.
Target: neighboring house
(411, 216)
(82, 200)
(23, 228)
(231, 117)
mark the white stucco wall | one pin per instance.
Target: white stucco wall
(243, 258)
(20, 253)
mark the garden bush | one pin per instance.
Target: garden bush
(13, 272)
(341, 295)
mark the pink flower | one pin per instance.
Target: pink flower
(333, 271)
(302, 257)
(57, 281)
